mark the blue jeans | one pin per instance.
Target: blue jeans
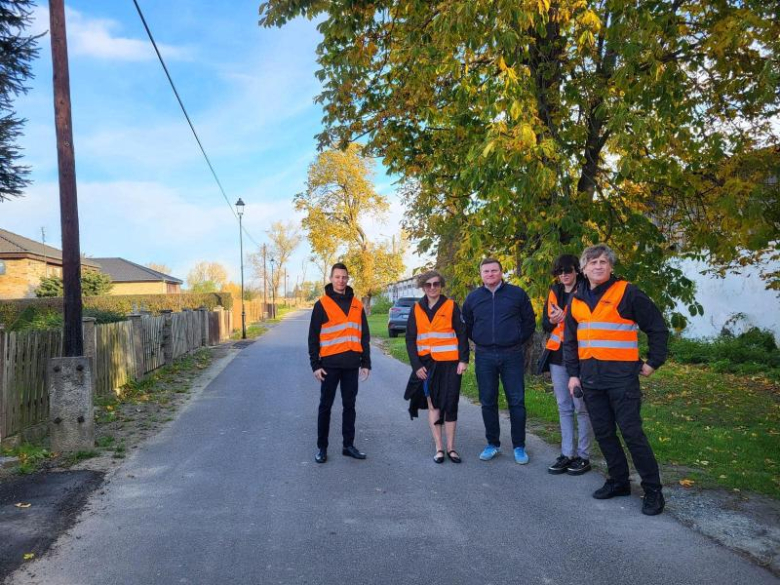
(509, 366)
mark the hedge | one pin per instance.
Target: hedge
(126, 304)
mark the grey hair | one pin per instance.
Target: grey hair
(426, 276)
(592, 252)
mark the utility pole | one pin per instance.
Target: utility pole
(45, 261)
(265, 282)
(286, 276)
(73, 339)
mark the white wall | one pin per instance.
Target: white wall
(724, 298)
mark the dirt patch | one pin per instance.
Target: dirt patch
(35, 509)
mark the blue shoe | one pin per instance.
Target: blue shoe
(489, 452)
(521, 456)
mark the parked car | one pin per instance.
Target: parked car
(398, 315)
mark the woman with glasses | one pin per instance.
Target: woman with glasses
(574, 458)
(439, 353)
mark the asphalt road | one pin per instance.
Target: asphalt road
(230, 493)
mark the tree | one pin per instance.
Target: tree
(207, 277)
(529, 129)
(339, 196)
(285, 238)
(163, 268)
(18, 51)
(93, 284)
(50, 286)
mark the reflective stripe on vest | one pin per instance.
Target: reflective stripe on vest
(341, 333)
(603, 334)
(437, 339)
(556, 337)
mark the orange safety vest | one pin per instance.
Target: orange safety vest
(603, 334)
(437, 338)
(341, 333)
(556, 337)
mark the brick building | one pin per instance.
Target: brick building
(23, 262)
(129, 278)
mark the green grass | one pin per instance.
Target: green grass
(31, 457)
(253, 331)
(715, 429)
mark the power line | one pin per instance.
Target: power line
(187, 116)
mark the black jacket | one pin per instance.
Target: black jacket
(411, 333)
(548, 356)
(503, 320)
(348, 359)
(636, 306)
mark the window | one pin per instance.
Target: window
(2, 268)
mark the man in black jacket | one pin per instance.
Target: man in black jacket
(601, 354)
(499, 319)
(339, 352)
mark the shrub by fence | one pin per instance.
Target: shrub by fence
(120, 351)
(10, 311)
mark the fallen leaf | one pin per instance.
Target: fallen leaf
(29, 556)
(22, 505)
(687, 482)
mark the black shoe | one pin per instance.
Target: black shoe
(578, 466)
(321, 456)
(611, 489)
(351, 451)
(653, 502)
(560, 466)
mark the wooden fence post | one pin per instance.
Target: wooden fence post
(203, 315)
(3, 397)
(90, 347)
(221, 320)
(138, 345)
(167, 336)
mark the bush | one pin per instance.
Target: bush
(752, 352)
(381, 305)
(12, 311)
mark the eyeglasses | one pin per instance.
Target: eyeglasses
(436, 284)
(567, 270)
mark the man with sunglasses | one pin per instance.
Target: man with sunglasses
(500, 319)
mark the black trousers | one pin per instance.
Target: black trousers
(349, 389)
(620, 407)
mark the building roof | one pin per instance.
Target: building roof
(13, 246)
(121, 270)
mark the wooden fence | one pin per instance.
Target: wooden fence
(120, 352)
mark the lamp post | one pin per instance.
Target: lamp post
(273, 290)
(240, 212)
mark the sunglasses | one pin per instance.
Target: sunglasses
(568, 270)
(436, 284)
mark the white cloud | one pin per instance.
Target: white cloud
(99, 38)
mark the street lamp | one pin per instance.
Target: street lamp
(273, 290)
(240, 212)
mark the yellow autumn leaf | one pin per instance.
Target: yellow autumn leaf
(686, 482)
(22, 505)
(29, 556)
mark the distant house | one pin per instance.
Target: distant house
(402, 288)
(129, 278)
(23, 262)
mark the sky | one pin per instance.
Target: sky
(145, 192)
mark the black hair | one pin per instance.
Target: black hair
(565, 261)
